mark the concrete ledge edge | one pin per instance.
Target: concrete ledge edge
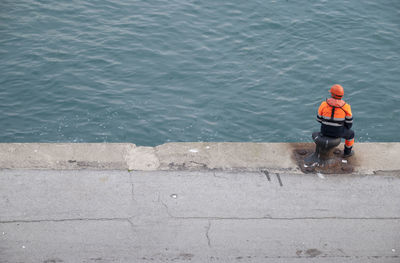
(227, 156)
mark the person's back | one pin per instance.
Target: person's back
(336, 118)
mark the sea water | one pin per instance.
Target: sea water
(156, 71)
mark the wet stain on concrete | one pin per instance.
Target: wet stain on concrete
(336, 165)
(267, 174)
(279, 179)
(191, 165)
(103, 179)
(313, 252)
(53, 260)
(75, 164)
(186, 256)
(161, 257)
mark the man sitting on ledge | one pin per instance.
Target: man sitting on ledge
(336, 119)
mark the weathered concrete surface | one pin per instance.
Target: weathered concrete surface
(225, 156)
(64, 155)
(378, 156)
(203, 216)
(369, 158)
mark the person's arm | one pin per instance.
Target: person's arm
(348, 121)
(319, 114)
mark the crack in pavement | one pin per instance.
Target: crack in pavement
(270, 218)
(316, 257)
(282, 218)
(132, 187)
(166, 207)
(196, 218)
(131, 223)
(208, 233)
(65, 220)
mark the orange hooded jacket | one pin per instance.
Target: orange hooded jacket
(334, 114)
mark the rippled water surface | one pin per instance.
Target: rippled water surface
(150, 72)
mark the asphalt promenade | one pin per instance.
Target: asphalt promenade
(183, 207)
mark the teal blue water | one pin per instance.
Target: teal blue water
(155, 71)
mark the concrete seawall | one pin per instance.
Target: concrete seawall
(369, 158)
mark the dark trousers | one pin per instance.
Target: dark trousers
(339, 132)
(347, 134)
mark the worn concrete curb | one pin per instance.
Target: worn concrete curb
(369, 158)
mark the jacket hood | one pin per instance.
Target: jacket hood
(335, 102)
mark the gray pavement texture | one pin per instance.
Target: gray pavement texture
(198, 216)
